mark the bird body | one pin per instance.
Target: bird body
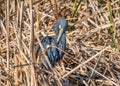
(51, 53)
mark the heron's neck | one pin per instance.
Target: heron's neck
(62, 38)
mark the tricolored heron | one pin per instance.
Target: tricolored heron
(54, 55)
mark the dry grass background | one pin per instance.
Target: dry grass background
(89, 60)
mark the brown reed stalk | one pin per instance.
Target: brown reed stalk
(37, 28)
(55, 12)
(21, 22)
(55, 8)
(16, 70)
(0, 50)
(33, 80)
(7, 39)
(15, 57)
(37, 16)
(37, 25)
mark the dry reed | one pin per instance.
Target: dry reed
(89, 59)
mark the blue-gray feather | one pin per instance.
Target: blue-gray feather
(51, 53)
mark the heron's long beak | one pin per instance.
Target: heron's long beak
(60, 34)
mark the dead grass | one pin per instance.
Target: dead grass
(89, 59)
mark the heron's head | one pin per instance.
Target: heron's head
(60, 27)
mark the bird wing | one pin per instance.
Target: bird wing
(51, 53)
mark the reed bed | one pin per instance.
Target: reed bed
(92, 57)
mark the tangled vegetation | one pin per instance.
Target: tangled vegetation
(92, 56)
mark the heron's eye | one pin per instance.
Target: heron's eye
(60, 27)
